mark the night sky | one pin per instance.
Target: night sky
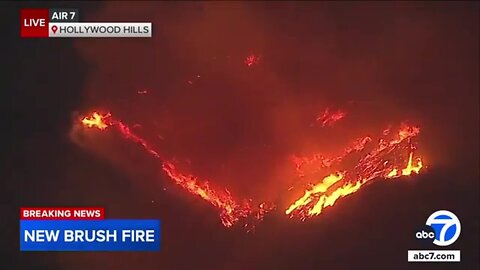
(237, 125)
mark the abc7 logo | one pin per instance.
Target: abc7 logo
(442, 228)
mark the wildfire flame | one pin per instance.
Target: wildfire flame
(382, 161)
(392, 174)
(96, 120)
(318, 161)
(230, 210)
(321, 187)
(328, 118)
(409, 169)
(412, 168)
(378, 163)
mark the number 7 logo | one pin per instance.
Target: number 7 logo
(446, 226)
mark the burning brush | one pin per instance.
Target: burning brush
(231, 211)
(388, 158)
(384, 161)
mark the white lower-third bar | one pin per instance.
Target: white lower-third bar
(100, 29)
(434, 255)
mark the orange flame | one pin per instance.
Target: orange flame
(328, 118)
(392, 174)
(230, 210)
(381, 162)
(407, 170)
(96, 120)
(412, 168)
(318, 161)
(378, 163)
(318, 188)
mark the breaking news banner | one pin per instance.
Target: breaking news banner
(64, 23)
(84, 229)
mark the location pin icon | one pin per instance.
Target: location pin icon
(54, 29)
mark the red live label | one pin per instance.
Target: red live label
(34, 23)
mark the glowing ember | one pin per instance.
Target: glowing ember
(318, 161)
(251, 60)
(97, 120)
(381, 162)
(230, 211)
(328, 118)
